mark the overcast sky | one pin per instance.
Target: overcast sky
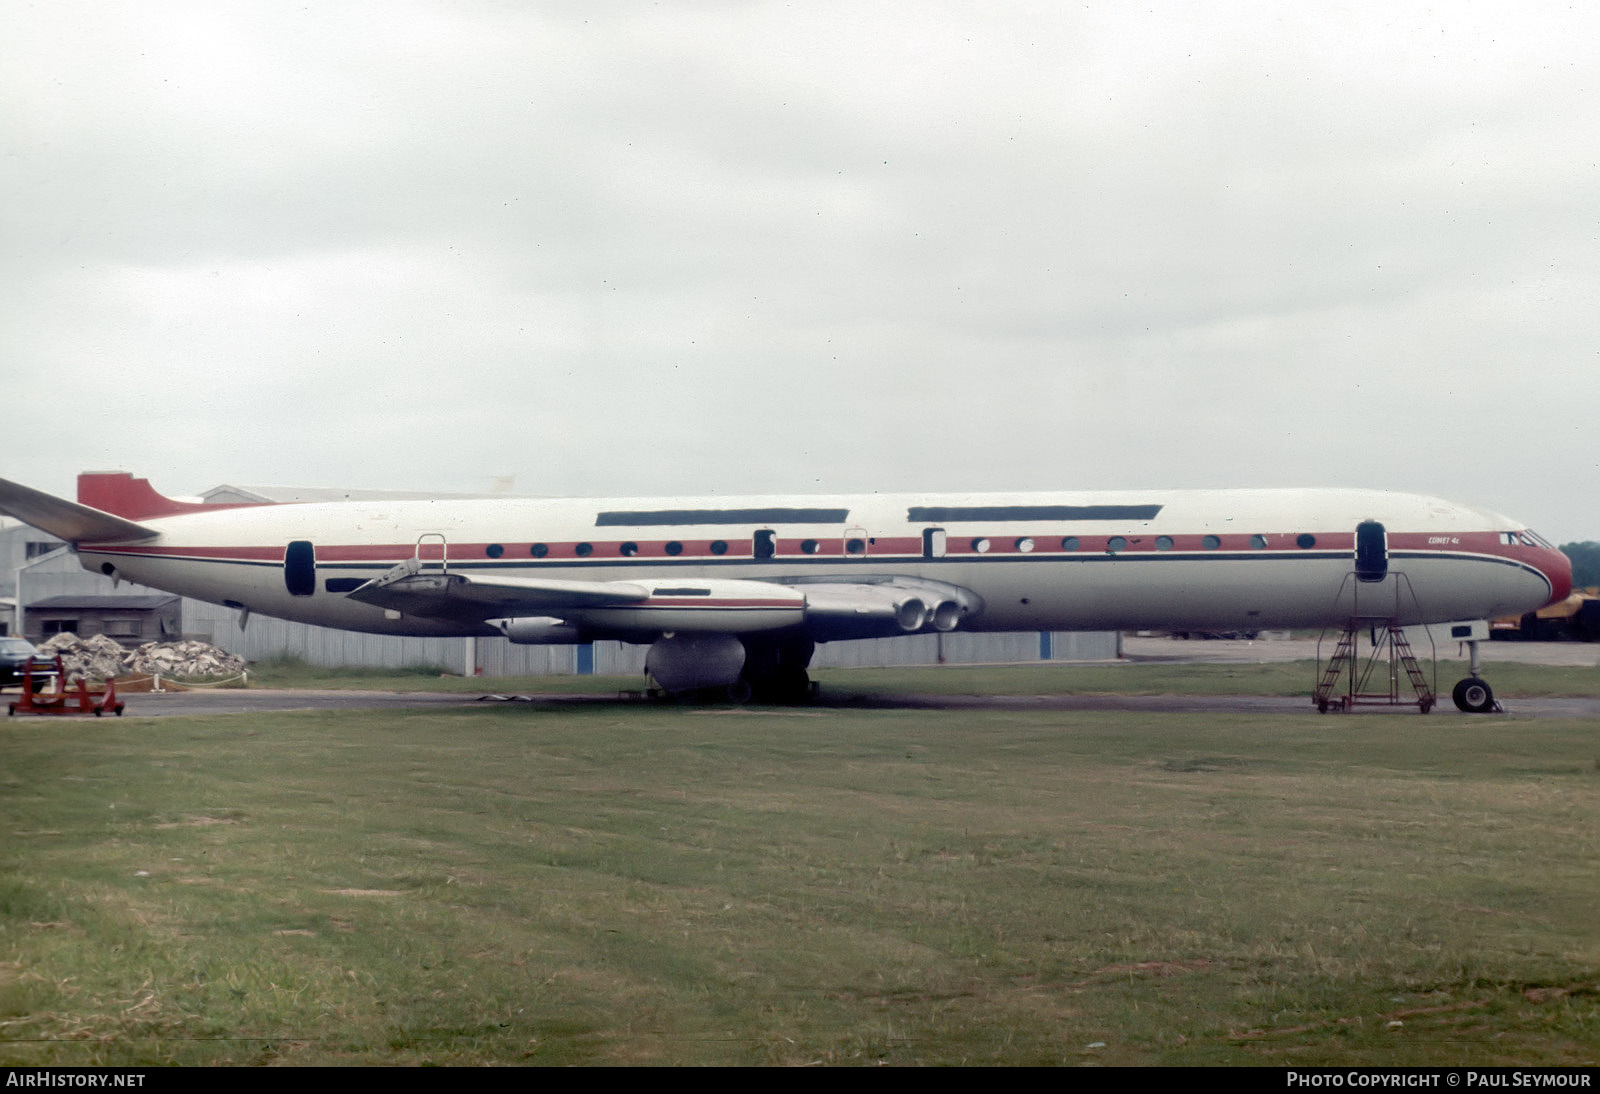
(675, 248)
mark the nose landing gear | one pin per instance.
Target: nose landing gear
(1474, 695)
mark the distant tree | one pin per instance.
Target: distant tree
(1585, 562)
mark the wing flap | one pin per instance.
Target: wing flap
(67, 519)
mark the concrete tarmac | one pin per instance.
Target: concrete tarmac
(1264, 650)
(1149, 649)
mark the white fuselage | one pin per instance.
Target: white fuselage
(1183, 560)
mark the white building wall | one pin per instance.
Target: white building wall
(55, 573)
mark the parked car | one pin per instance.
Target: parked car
(14, 654)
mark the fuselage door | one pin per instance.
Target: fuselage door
(856, 541)
(933, 543)
(764, 544)
(1372, 551)
(300, 568)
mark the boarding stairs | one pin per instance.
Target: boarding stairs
(1402, 681)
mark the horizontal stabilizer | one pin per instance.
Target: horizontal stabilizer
(67, 519)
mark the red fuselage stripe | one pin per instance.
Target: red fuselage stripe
(902, 548)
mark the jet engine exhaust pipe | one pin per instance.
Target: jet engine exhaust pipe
(947, 615)
(911, 614)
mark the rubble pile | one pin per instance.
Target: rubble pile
(100, 658)
(97, 658)
(183, 659)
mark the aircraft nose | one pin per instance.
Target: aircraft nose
(1557, 569)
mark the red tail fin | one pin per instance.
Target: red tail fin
(121, 494)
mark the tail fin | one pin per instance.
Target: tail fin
(120, 493)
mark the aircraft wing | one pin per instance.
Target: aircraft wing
(67, 519)
(414, 590)
(557, 608)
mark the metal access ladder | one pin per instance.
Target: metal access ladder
(1403, 681)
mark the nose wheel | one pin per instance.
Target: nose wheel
(1473, 695)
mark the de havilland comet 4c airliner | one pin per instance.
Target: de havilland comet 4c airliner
(734, 592)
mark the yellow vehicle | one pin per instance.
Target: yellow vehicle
(1575, 619)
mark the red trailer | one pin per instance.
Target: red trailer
(62, 698)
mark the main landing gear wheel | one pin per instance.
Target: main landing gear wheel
(775, 669)
(1473, 696)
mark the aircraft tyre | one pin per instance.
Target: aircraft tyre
(790, 685)
(776, 671)
(1473, 695)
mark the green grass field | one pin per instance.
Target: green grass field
(634, 884)
(1287, 678)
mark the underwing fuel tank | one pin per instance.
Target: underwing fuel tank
(539, 631)
(688, 661)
